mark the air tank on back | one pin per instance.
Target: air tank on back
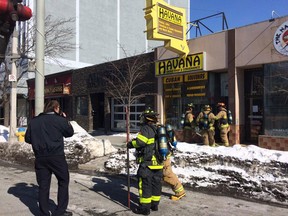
(162, 140)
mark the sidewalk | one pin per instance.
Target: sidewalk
(107, 195)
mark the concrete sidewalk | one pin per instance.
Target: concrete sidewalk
(107, 195)
(94, 193)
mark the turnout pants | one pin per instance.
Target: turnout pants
(224, 135)
(149, 186)
(170, 178)
(44, 167)
(208, 137)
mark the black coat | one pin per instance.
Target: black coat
(46, 131)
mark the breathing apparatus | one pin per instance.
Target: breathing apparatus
(171, 135)
(162, 141)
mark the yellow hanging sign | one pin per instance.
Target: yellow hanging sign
(167, 23)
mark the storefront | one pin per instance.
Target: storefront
(189, 83)
(58, 87)
(85, 94)
(240, 67)
(99, 108)
(246, 68)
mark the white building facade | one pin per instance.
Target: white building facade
(103, 29)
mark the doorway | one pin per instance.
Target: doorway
(97, 103)
(254, 117)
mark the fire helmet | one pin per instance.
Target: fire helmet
(149, 115)
(221, 104)
(207, 108)
(190, 105)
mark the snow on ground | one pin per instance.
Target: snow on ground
(250, 170)
(80, 148)
(245, 171)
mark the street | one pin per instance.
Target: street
(98, 194)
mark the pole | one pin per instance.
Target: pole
(128, 159)
(40, 41)
(13, 92)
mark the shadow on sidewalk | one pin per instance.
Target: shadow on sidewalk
(28, 195)
(115, 190)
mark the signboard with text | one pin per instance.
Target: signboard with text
(167, 23)
(194, 62)
(187, 85)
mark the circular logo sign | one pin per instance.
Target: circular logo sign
(280, 39)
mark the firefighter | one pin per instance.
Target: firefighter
(189, 124)
(206, 120)
(150, 171)
(168, 175)
(223, 125)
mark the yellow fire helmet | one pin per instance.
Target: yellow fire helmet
(207, 108)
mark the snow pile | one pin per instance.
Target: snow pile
(96, 147)
(250, 171)
(79, 149)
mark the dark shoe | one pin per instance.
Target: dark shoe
(142, 211)
(67, 213)
(154, 207)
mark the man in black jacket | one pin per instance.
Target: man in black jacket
(45, 132)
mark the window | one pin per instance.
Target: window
(276, 99)
(82, 105)
(118, 114)
(179, 90)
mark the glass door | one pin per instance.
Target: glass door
(253, 105)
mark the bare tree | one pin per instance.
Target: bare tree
(58, 41)
(127, 80)
(58, 37)
(125, 83)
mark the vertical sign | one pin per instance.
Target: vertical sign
(167, 23)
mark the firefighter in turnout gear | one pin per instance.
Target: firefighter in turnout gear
(189, 124)
(206, 120)
(223, 125)
(150, 171)
(168, 175)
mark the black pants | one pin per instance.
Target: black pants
(150, 186)
(44, 167)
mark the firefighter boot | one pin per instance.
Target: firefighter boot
(178, 196)
(142, 210)
(154, 207)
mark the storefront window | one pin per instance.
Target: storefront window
(276, 99)
(180, 90)
(118, 114)
(82, 105)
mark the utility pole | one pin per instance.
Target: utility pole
(40, 39)
(13, 91)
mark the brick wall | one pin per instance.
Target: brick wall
(273, 142)
(193, 139)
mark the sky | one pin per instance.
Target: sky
(237, 13)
